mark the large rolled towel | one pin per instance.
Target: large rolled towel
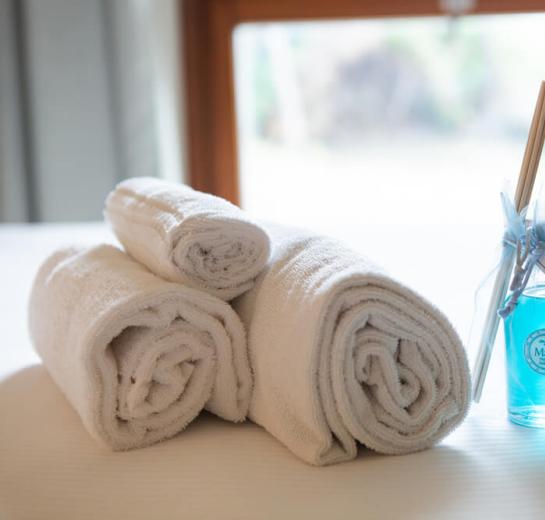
(187, 236)
(341, 352)
(138, 357)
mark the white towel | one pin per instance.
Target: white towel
(187, 236)
(138, 357)
(341, 352)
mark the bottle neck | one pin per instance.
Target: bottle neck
(536, 284)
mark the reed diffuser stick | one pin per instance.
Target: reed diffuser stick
(523, 194)
(524, 188)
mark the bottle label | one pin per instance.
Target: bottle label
(534, 351)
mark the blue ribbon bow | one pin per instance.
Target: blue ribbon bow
(528, 238)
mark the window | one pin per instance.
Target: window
(395, 134)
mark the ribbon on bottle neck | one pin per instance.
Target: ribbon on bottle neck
(527, 237)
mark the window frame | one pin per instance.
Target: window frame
(207, 51)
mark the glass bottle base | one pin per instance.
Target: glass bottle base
(529, 416)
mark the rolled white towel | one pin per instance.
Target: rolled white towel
(187, 236)
(138, 357)
(341, 352)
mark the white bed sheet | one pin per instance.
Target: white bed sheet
(51, 469)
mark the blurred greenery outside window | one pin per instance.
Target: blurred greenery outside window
(395, 135)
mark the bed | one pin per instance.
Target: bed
(50, 468)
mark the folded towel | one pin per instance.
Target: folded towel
(187, 236)
(138, 357)
(341, 352)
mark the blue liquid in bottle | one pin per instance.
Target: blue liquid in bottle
(525, 359)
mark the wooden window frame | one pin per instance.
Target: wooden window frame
(207, 50)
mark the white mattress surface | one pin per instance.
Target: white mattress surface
(51, 469)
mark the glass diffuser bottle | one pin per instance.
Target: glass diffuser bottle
(525, 354)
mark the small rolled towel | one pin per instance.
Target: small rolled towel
(341, 352)
(138, 357)
(187, 236)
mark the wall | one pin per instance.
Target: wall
(13, 182)
(73, 137)
(102, 87)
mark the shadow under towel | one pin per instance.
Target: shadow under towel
(138, 357)
(342, 353)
